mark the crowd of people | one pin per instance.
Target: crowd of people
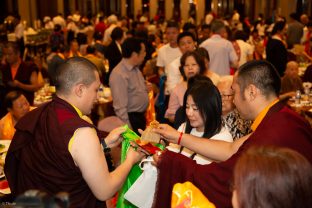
(218, 89)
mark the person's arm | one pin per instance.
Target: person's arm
(213, 149)
(32, 87)
(89, 157)
(173, 106)
(306, 55)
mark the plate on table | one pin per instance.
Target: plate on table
(4, 145)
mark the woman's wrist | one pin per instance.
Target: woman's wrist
(180, 138)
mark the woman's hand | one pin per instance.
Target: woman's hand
(113, 139)
(168, 133)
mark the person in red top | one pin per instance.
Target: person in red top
(256, 87)
(100, 26)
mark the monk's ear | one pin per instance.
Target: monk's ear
(78, 90)
(252, 92)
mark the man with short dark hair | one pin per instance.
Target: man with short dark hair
(167, 53)
(129, 91)
(256, 87)
(54, 149)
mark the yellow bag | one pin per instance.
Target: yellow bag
(186, 195)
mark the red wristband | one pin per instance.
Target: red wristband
(180, 137)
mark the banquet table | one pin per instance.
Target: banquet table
(5, 192)
(304, 107)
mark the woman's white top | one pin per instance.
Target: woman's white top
(223, 135)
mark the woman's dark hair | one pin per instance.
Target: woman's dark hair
(273, 177)
(279, 26)
(10, 98)
(207, 98)
(203, 53)
(198, 59)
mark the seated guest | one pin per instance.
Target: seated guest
(18, 75)
(56, 150)
(191, 64)
(17, 106)
(291, 82)
(203, 118)
(42, 71)
(231, 120)
(74, 49)
(256, 87)
(272, 177)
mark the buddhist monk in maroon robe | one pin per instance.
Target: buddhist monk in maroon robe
(55, 149)
(256, 86)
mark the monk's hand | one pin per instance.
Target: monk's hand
(134, 155)
(114, 138)
(168, 133)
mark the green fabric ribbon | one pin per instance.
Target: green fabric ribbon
(135, 172)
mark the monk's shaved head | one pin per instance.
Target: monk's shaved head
(76, 70)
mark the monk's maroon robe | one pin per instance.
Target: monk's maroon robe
(281, 127)
(38, 157)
